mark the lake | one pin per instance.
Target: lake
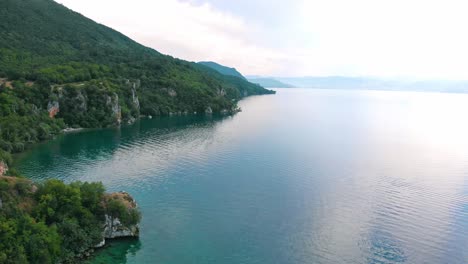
(303, 176)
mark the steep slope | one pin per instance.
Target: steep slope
(222, 69)
(44, 41)
(59, 68)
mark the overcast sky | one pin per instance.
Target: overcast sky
(391, 38)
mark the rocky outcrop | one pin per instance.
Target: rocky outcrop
(80, 101)
(3, 168)
(221, 92)
(53, 107)
(208, 110)
(135, 100)
(113, 103)
(172, 92)
(133, 86)
(114, 227)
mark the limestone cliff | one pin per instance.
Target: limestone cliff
(121, 218)
(3, 168)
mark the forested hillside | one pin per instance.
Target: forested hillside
(222, 69)
(59, 68)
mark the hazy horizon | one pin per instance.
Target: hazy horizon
(397, 39)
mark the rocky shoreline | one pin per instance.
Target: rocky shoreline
(113, 227)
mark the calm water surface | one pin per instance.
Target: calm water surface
(303, 176)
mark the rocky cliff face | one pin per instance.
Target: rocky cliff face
(112, 102)
(114, 226)
(3, 168)
(53, 107)
(221, 92)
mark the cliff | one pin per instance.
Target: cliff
(121, 216)
(3, 167)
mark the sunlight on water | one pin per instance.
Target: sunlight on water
(304, 176)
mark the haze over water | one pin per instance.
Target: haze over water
(303, 176)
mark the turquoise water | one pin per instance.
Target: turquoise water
(303, 176)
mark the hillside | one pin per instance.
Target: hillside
(59, 68)
(222, 69)
(270, 83)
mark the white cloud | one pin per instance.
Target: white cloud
(390, 38)
(186, 30)
(397, 38)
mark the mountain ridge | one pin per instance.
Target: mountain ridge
(225, 70)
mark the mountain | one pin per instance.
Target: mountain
(269, 82)
(222, 69)
(59, 68)
(45, 42)
(365, 83)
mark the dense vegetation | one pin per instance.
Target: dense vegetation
(222, 69)
(55, 60)
(53, 222)
(23, 119)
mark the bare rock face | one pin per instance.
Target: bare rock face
(113, 226)
(3, 168)
(135, 100)
(115, 229)
(133, 86)
(113, 103)
(53, 107)
(221, 92)
(172, 93)
(82, 102)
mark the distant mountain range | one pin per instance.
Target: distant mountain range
(365, 83)
(222, 69)
(268, 82)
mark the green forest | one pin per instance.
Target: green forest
(53, 222)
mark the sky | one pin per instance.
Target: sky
(421, 39)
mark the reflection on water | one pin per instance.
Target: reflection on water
(303, 176)
(116, 251)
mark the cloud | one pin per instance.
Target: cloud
(390, 38)
(398, 38)
(187, 30)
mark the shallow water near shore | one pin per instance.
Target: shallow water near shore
(303, 176)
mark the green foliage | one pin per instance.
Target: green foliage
(222, 69)
(54, 223)
(23, 118)
(117, 209)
